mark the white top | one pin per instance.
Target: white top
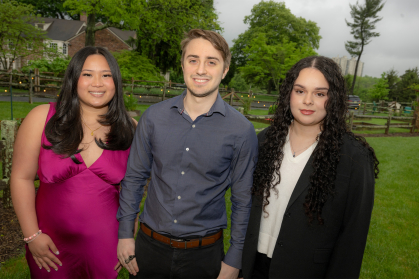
(291, 169)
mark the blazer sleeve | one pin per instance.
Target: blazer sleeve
(346, 258)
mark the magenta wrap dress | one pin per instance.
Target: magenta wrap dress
(76, 206)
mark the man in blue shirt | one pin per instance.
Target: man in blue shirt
(194, 147)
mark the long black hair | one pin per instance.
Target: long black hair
(326, 153)
(65, 131)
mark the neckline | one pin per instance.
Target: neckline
(84, 163)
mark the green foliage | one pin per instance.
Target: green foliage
(238, 83)
(392, 78)
(404, 90)
(272, 109)
(134, 65)
(271, 62)
(57, 66)
(50, 8)
(362, 86)
(365, 17)
(121, 14)
(278, 24)
(380, 89)
(162, 24)
(17, 32)
(130, 102)
(247, 104)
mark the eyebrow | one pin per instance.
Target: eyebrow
(208, 57)
(317, 88)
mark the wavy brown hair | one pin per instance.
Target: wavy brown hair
(64, 130)
(326, 153)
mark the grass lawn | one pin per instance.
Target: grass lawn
(393, 246)
(20, 109)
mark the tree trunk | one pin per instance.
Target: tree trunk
(90, 30)
(351, 92)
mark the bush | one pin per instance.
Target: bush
(134, 65)
(272, 109)
(130, 102)
(57, 66)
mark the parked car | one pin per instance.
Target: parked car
(354, 102)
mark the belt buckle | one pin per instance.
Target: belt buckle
(178, 240)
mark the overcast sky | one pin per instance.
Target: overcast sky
(397, 47)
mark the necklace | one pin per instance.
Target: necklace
(303, 149)
(89, 127)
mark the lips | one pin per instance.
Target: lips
(200, 81)
(306, 111)
(97, 93)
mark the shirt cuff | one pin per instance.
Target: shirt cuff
(126, 229)
(233, 257)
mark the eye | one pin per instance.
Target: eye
(86, 75)
(107, 75)
(212, 63)
(320, 94)
(192, 61)
(299, 91)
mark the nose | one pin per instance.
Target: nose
(308, 99)
(97, 80)
(201, 70)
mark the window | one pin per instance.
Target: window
(29, 47)
(53, 46)
(64, 48)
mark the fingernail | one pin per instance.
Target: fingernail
(40, 267)
(48, 270)
(56, 269)
(60, 265)
(57, 253)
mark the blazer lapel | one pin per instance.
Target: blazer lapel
(303, 182)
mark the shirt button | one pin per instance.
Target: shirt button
(280, 243)
(187, 148)
(193, 126)
(175, 221)
(178, 197)
(182, 172)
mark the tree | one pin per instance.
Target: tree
(18, 37)
(392, 78)
(57, 65)
(163, 23)
(403, 87)
(277, 23)
(238, 83)
(380, 89)
(134, 65)
(365, 17)
(121, 14)
(271, 62)
(50, 8)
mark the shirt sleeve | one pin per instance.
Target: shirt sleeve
(243, 165)
(349, 248)
(138, 171)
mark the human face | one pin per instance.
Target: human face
(203, 68)
(308, 97)
(95, 87)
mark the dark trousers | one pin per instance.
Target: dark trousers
(261, 266)
(159, 260)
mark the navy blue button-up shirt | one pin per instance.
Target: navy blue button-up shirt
(191, 164)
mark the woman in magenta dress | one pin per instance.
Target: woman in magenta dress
(79, 147)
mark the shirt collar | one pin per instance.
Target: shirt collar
(218, 106)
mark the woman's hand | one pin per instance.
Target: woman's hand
(41, 248)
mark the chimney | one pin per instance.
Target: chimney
(83, 17)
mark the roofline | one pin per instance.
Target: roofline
(130, 48)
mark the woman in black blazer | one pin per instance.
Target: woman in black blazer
(313, 185)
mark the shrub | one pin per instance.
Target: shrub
(272, 109)
(130, 102)
(57, 66)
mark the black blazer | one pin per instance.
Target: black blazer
(332, 250)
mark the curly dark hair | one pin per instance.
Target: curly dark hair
(64, 130)
(326, 153)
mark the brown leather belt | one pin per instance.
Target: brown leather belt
(181, 244)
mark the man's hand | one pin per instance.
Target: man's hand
(228, 272)
(126, 248)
